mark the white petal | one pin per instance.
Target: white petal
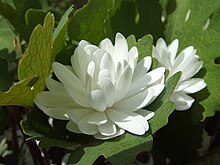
(71, 83)
(108, 89)
(193, 69)
(107, 63)
(97, 100)
(55, 99)
(90, 76)
(123, 84)
(121, 49)
(86, 128)
(97, 118)
(106, 44)
(173, 47)
(132, 57)
(145, 113)
(156, 74)
(54, 85)
(161, 44)
(55, 112)
(181, 100)
(102, 137)
(131, 122)
(157, 90)
(192, 85)
(73, 127)
(78, 114)
(142, 67)
(97, 57)
(77, 58)
(107, 129)
(80, 61)
(90, 49)
(135, 102)
(182, 61)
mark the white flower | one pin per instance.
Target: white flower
(188, 63)
(104, 91)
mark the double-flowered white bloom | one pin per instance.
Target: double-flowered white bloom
(188, 63)
(104, 91)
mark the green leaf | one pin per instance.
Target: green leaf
(33, 17)
(88, 23)
(13, 17)
(19, 94)
(38, 57)
(37, 127)
(122, 149)
(60, 32)
(144, 45)
(6, 36)
(197, 23)
(162, 106)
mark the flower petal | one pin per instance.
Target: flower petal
(107, 129)
(55, 112)
(107, 63)
(142, 68)
(54, 85)
(55, 99)
(73, 127)
(155, 74)
(106, 44)
(123, 84)
(97, 118)
(102, 137)
(172, 48)
(121, 49)
(77, 114)
(191, 86)
(108, 89)
(135, 102)
(71, 83)
(133, 57)
(145, 113)
(97, 100)
(131, 122)
(181, 100)
(86, 128)
(157, 90)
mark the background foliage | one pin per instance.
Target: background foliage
(34, 33)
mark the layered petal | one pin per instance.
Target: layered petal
(188, 63)
(129, 121)
(181, 100)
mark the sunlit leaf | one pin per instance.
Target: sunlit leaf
(38, 57)
(114, 150)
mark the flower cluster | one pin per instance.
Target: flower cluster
(105, 89)
(188, 63)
